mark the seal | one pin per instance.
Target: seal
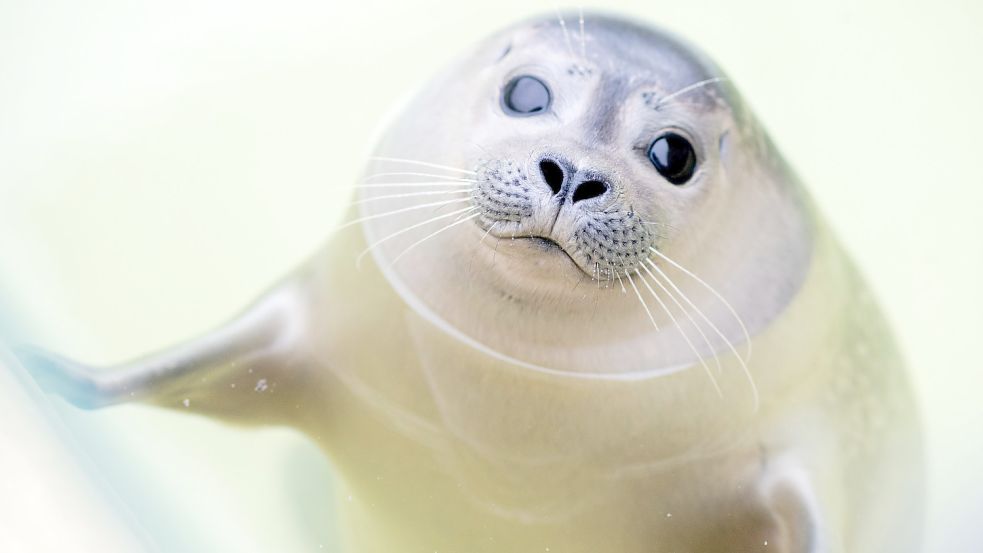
(593, 310)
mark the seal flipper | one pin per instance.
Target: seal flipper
(239, 371)
(793, 510)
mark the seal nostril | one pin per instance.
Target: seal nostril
(553, 174)
(589, 189)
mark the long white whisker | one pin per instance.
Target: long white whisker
(462, 185)
(396, 211)
(431, 235)
(422, 163)
(480, 242)
(733, 312)
(475, 208)
(686, 89)
(487, 232)
(642, 301)
(675, 323)
(583, 37)
(452, 178)
(566, 33)
(408, 195)
(610, 279)
(358, 260)
(740, 360)
(689, 316)
(658, 224)
(696, 308)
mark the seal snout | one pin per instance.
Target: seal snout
(578, 209)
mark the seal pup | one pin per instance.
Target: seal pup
(593, 310)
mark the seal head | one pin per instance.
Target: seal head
(568, 198)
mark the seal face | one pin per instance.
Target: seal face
(578, 186)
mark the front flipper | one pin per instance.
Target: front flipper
(243, 371)
(774, 509)
(794, 512)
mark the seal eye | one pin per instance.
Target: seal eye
(673, 157)
(525, 95)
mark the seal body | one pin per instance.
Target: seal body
(451, 449)
(593, 310)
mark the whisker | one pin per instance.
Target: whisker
(487, 232)
(462, 185)
(642, 301)
(702, 315)
(422, 163)
(396, 211)
(415, 174)
(462, 215)
(431, 235)
(480, 242)
(611, 271)
(611, 207)
(689, 316)
(658, 229)
(689, 88)
(358, 260)
(741, 361)
(407, 195)
(712, 290)
(658, 224)
(675, 323)
(495, 253)
(482, 148)
(583, 37)
(566, 33)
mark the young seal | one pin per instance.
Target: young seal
(594, 310)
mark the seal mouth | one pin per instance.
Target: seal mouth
(544, 243)
(549, 246)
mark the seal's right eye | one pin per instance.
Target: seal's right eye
(525, 95)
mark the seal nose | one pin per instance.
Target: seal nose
(589, 189)
(553, 174)
(556, 176)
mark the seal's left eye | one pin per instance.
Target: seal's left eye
(673, 157)
(525, 95)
